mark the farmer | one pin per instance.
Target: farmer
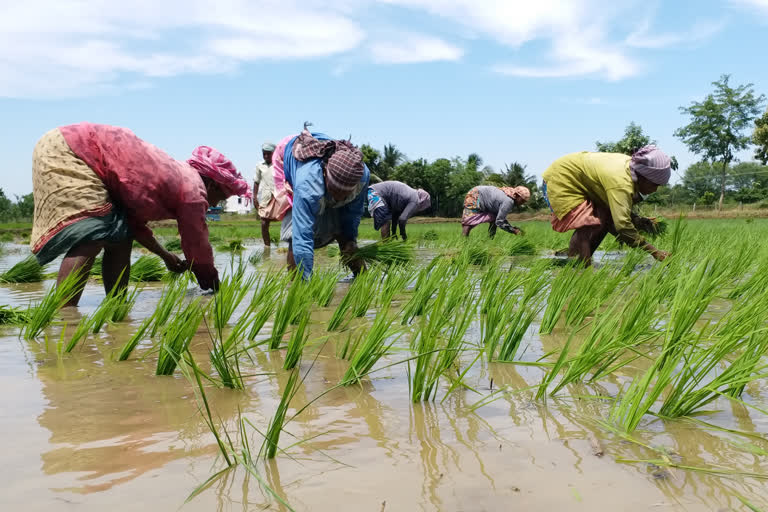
(267, 205)
(395, 202)
(492, 205)
(326, 182)
(96, 186)
(593, 194)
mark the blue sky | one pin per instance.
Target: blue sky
(511, 80)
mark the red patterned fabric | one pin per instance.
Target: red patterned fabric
(147, 183)
(210, 163)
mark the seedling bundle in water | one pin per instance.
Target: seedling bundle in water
(25, 271)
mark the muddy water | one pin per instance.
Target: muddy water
(84, 432)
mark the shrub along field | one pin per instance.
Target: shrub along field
(652, 374)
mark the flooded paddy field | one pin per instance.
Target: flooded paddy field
(85, 431)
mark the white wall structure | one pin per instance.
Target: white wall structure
(237, 204)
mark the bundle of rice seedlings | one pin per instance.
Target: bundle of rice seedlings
(123, 305)
(520, 246)
(13, 316)
(386, 252)
(653, 226)
(147, 268)
(177, 336)
(42, 314)
(430, 235)
(332, 251)
(296, 343)
(367, 285)
(114, 307)
(27, 270)
(173, 245)
(370, 347)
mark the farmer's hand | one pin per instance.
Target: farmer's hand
(660, 255)
(348, 248)
(175, 264)
(516, 230)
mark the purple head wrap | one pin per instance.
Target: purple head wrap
(652, 164)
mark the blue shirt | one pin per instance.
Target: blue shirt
(306, 180)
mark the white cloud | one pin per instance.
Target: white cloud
(577, 33)
(759, 5)
(412, 48)
(53, 48)
(644, 36)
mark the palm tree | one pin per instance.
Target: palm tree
(391, 158)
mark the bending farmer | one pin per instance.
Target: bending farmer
(593, 193)
(395, 202)
(96, 187)
(326, 182)
(492, 205)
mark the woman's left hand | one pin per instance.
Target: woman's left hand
(175, 264)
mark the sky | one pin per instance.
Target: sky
(510, 80)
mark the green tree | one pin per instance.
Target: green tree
(700, 178)
(371, 157)
(390, 159)
(760, 138)
(717, 126)
(24, 207)
(633, 139)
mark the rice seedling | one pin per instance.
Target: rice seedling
(296, 301)
(224, 356)
(756, 283)
(520, 246)
(81, 332)
(427, 283)
(385, 252)
(322, 286)
(42, 314)
(476, 255)
(269, 285)
(436, 353)
(173, 245)
(133, 342)
(370, 347)
(260, 318)
(679, 228)
(269, 448)
(147, 268)
(296, 343)
(395, 281)
(172, 295)
(13, 316)
(332, 251)
(97, 267)
(124, 303)
(232, 246)
(632, 259)
(255, 258)
(232, 291)
(177, 336)
(356, 302)
(27, 270)
(515, 330)
(114, 307)
(560, 291)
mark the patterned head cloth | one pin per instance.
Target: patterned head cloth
(343, 162)
(519, 194)
(268, 147)
(652, 164)
(424, 200)
(212, 164)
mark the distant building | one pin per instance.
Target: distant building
(237, 204)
